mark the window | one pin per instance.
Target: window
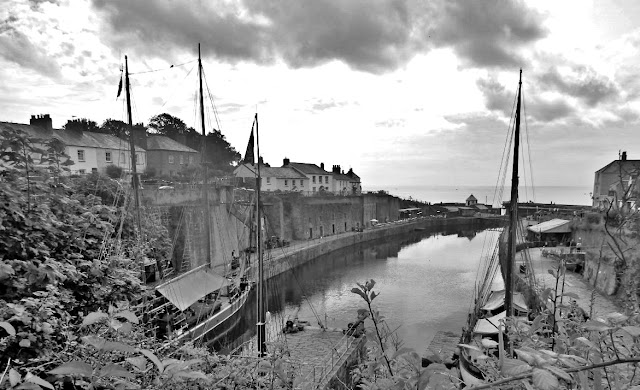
(170, 159)
(107, 156)
(81, 155)
(139, 160)
(313, 179)
(122, 158)
(94, 169)
(268, 180)
(190, 159)
(293, 182)
(301, 183)
(82, 171)
(326, 179)
(286, 182)
(181, 159)
(314, 189)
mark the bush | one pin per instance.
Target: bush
(114, 171)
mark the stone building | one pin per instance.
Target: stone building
(275, 178)
(615, 184)
(168, 157)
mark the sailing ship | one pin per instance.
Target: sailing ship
(495, 296)
(202, 303)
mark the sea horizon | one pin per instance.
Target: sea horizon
(574, 195)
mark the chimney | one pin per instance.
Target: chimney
(624, 156)
(285, 162)
(43, 121)
(336, 169)
(140, 137)
(322, 166)
(181, 138)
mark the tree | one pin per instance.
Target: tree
(219, 153)
(114, 127)
(82, 124)
(169, 125)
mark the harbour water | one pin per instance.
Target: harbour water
(425, 281)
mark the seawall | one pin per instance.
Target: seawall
(304, 252)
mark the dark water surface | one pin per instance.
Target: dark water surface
(425, 281)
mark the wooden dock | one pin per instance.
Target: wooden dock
(444, 345)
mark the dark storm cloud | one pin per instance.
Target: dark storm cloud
(497, 98)
(372, 36)
(488, 33)
(16, 47)
(549, 110)
(583, 83)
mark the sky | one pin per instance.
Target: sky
(404, 92)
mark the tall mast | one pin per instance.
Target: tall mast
(132, 146)
(207, 219)
(262, 349)
(513, 215)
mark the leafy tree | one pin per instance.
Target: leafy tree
(219, 153)
(52, 264)
(114, 127)
(82, 124)
(166, 124)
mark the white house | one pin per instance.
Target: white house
(319, 179)
(275, 178)
(89, 151)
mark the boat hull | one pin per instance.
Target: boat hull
(469, 374)
(216, 325)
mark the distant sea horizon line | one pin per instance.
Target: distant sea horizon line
(487, 194)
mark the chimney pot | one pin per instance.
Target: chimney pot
(285, 161)
(322, 166)
(624, 156)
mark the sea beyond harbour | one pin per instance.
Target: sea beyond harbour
(576, 195)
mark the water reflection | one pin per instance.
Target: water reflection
(425, 280)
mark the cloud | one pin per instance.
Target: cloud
(391, 123)
(583, 83)
(321, 105)
(488, 33)
(498, 98)
(372, 36)
(17, 48)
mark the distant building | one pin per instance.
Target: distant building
(274, 178)
(471, 200)
(615, 184)
(89, 151)
(167, 157)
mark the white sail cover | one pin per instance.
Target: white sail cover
(489, 326)
(496, 300)
(185, 290)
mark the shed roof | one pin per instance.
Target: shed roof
(161, 142)
(552, 226)
(471, 197)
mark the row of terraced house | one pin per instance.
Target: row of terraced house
(164, 156)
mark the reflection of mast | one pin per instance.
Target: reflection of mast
(261, 298)
(513, 217)
(207, 219)
(132, 146)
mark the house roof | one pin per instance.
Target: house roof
(451, 209)
(625, 163)
(309, 169)
(73, 138)
(552, 226)
(161, 142)
(480, 207)
(277, 172)
(339, 176)
(471, 197)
